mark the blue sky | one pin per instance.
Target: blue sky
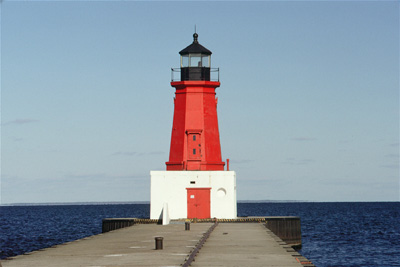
(308, 105)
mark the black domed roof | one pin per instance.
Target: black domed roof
(195, 47)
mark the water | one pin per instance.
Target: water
(343, 234)
(333, 234)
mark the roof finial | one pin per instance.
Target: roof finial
(195, 36)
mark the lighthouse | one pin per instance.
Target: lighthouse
(195, 183)
(195, 141)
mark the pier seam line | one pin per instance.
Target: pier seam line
(196, 250)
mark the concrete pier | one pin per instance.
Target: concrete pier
(250, 244)
(229, 244)
(287, 228)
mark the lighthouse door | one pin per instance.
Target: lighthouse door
(198, 203)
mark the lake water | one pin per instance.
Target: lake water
(333, 234)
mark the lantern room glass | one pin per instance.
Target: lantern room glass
(185, 61)
(205, 61)
(195, 60)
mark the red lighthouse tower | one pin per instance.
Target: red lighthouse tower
(195, 184)
(195, 141)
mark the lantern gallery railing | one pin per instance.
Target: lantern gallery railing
(196, 73)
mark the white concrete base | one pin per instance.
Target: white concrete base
(168, 189)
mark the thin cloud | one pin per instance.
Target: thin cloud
(390, 166)
(394, 144)
(20, 121)
(124, 153)
(293, 161)
(102, 176)
(134, 153)
(395, 156)
(241, 161)
(156, 153)
(301, 139)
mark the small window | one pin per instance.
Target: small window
(192, 182)
(194, 151)
(194, 138)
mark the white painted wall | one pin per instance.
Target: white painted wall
(170, 187)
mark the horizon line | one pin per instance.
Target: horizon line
(148, 202)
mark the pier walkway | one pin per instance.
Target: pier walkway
(229, 244)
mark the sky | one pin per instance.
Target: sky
(308, 105)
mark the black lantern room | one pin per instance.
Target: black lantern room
(195, 62)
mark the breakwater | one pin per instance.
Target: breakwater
(204, 244)
(333, 234)
(288, 228)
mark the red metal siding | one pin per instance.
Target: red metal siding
(195, 113)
